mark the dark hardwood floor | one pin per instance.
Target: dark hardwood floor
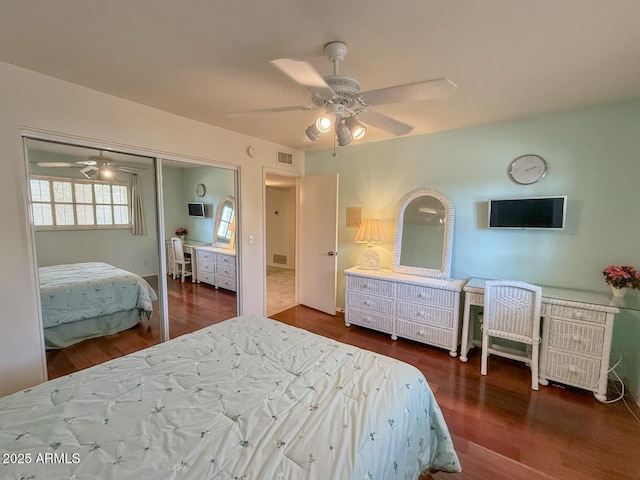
(500, 427)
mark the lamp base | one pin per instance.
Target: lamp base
(369, 259)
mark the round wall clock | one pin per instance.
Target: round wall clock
(528, 169)
(200, 190)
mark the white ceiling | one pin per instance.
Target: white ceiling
(204, 59)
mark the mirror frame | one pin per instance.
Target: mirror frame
(232, 241)
(447, 247)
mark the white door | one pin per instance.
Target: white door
(319, 241)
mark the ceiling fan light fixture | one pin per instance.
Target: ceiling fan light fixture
(324, 122)
(342, 133)
(357, 129)
(107, 174)
(312, 132)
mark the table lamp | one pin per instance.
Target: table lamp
(370, 232)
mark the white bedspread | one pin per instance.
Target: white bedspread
(250, 398)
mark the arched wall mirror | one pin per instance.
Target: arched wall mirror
(224, 231)
(424, 234)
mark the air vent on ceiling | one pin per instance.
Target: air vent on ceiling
(285, 158)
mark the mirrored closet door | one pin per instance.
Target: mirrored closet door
(97, 246)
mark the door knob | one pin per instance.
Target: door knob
(332, 253)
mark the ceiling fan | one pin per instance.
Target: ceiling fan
(95, 167)
(346, 106)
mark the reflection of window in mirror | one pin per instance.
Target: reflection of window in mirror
(224, 227)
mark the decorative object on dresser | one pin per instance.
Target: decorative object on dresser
(512, 312)
(416, 299)
(370, 232)
(577, 329)
(620, 278)
(181, 233)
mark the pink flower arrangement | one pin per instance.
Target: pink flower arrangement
(624, 276)
(181, 231)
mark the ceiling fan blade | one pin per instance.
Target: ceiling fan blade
(384, 122)
(273, 110)
(304, 74)
(56, 164)
(411, 92)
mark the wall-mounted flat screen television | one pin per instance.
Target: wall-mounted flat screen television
(532, 213)
(196, 209)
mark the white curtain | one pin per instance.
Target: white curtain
(137, 216)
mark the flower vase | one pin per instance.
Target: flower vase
(618, 292)
(181, 237)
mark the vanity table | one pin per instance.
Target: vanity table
(577, 329)
(416, 299)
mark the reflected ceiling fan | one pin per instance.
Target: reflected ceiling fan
(346, 107)
(95, 167)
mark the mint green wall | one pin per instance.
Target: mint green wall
(179, 188)
(594, 159)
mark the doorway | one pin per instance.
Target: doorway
(280, 242)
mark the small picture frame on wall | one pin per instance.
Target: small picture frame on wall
(354, 216)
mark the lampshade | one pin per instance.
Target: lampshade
(370, 232)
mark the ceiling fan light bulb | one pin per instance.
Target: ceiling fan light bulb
(357, 130)
(323, 123)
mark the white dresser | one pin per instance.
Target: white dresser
(577, 328)
(216, 266)
(409, 306)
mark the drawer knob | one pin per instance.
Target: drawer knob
(573, 369)
(367, 319)
(365, 285)
(367, 302)
(576, 338)
(420, 314)
(577, 314)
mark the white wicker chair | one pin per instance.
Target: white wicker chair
(512, 312)
(180, 260)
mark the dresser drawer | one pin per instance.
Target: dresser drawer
(226, 283)
(576, 337)
(475, 298)
(425, 314)
(426, 295)
(204, 256)
(571, 369)
(370, 302)
(225, 271)
(206, 267)
(423, 333)
(573, 313)
(377, 321)
(228, 260)
(206, 277)
(370, 285)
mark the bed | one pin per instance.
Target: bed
(91, 299)
(249, 398)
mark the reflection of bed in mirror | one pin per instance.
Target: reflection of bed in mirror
(249, 398)
(91, 299)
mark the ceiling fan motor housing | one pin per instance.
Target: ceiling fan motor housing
(346, 89)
